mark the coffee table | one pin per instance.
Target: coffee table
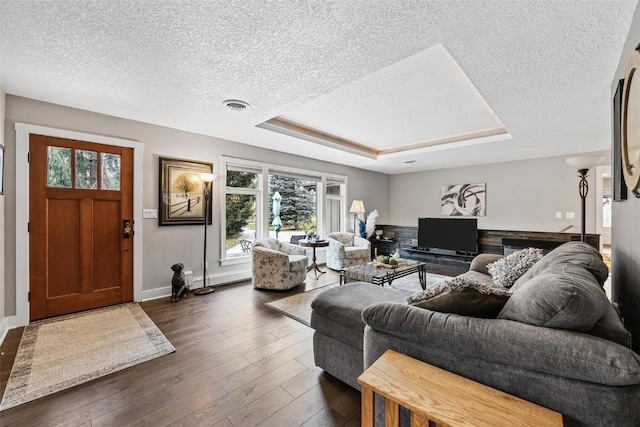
(381, 275)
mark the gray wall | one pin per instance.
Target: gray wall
(625, 227)
(522, 195)
(163, 246)
(2, 225)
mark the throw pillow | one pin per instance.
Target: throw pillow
(561, 297)
(507, 270)
(462, 295)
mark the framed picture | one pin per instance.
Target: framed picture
(1, 169)
(617, 176)
(463, 200)
(182, 192)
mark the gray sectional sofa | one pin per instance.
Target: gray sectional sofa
(557, 341)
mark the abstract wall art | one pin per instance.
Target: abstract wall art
(464, 200)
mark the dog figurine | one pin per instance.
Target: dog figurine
(178, 287)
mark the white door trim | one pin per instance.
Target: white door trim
(22, 207)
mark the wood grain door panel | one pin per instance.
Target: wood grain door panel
(78, 256)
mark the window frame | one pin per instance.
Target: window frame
(262, 202)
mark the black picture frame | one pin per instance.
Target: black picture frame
(181, 196)
(618, 184)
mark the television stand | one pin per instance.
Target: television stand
(437, 262)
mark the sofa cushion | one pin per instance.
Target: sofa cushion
(562, 297)
(507, 270)
(462, 295)
(576, 253)
(355, 252)
(337, 312)
(566, 354)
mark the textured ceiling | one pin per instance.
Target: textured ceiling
(540, 69)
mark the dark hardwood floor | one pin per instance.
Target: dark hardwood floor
(237, 363)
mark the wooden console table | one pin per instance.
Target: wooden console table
(433, 394)
(314, 244)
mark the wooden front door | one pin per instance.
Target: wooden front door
(80, 197)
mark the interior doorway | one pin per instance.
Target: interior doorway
(604, 202)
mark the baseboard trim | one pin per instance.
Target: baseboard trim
(224, 278)
(4, 328)
(214, 280)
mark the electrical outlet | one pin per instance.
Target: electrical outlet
(570, 215)
(558, 214)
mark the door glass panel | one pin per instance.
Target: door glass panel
(59, 167)
(110, 171)
(86, 169)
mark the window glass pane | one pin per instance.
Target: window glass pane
(241, 224)
(110, 171)
(86, 169)
(239, 179)
(297, 206)
(59, 167)
(606, 211)
(333, 189)
(332, 220)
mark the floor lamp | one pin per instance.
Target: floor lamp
(357, 208)
(583, 164)
(207, 179)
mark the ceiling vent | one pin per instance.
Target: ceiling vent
(236, 105)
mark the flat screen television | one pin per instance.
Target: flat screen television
(459, 235)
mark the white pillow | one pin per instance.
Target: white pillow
(507, 270)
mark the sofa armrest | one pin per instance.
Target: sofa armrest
(361, 242)
(271, 254)
(553, 351)
(291, 249)
(481, 261)
(336, 245)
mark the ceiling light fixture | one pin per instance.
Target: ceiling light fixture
(236, 104)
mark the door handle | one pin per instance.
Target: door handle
(127, 228)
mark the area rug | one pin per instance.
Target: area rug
(409, 285)
(298, 306)
(62, 352)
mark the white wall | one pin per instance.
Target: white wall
(164, 246)
(523, 195)
(625, 226)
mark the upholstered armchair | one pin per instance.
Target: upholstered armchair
(278, 265)
(346, 250)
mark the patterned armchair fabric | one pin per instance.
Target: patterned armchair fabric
(346, 250)
(278, 265)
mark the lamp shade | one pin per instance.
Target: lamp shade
(583, 162)
(357, 206)
(208, 177)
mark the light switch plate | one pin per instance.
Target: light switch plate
(149, 213)
(570, 215)
(558, 214)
